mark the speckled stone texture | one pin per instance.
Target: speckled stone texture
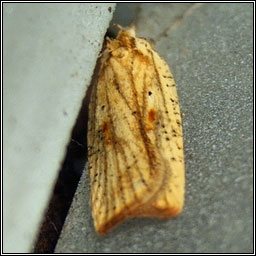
(209, 48)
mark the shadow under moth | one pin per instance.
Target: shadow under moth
(135, 140)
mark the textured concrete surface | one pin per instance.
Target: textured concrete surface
(49, 54)
(209, 48)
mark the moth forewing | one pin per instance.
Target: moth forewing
(135, 139)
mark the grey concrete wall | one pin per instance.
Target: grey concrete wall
(49, 54)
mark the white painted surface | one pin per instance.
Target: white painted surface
(49, 54)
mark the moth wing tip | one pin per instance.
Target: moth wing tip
(175, 210)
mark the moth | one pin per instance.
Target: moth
(135, 139)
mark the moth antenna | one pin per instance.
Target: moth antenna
(132, 25)
(118, 26)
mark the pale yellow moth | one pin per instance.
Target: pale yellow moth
(135, 140)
